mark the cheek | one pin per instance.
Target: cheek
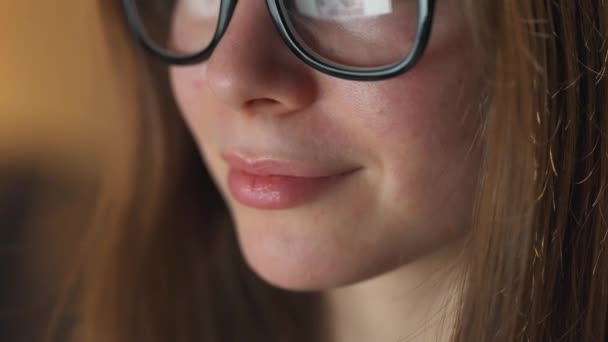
(421, 129)
(189, 89)
(435, 167)
(425, 115)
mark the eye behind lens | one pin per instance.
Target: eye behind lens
(354, 34)
(178, 27)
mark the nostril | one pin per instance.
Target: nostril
(261, 101)
(262, 104)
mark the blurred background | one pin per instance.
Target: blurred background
(53, 120)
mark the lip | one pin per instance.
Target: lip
(269, 166)
(265, 183)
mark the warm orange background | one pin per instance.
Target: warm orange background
(49, 90)
(54, 119)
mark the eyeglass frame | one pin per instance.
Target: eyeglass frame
(426, 9)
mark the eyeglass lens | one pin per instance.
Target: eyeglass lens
(349, 33)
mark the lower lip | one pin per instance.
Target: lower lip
(277, 192)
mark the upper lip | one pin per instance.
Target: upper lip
(273, 166)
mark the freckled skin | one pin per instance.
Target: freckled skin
(411, 135)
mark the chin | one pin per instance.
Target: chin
(302, 276)
(297, 260)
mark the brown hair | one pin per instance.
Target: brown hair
(162, 264)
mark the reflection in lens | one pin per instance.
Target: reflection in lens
(179, 27)
(354, 33)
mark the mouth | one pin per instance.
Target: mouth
(265, 183)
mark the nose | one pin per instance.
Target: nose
(253, 71)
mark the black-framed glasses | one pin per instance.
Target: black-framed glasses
(352, 39)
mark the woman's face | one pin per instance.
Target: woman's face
(332, 181)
